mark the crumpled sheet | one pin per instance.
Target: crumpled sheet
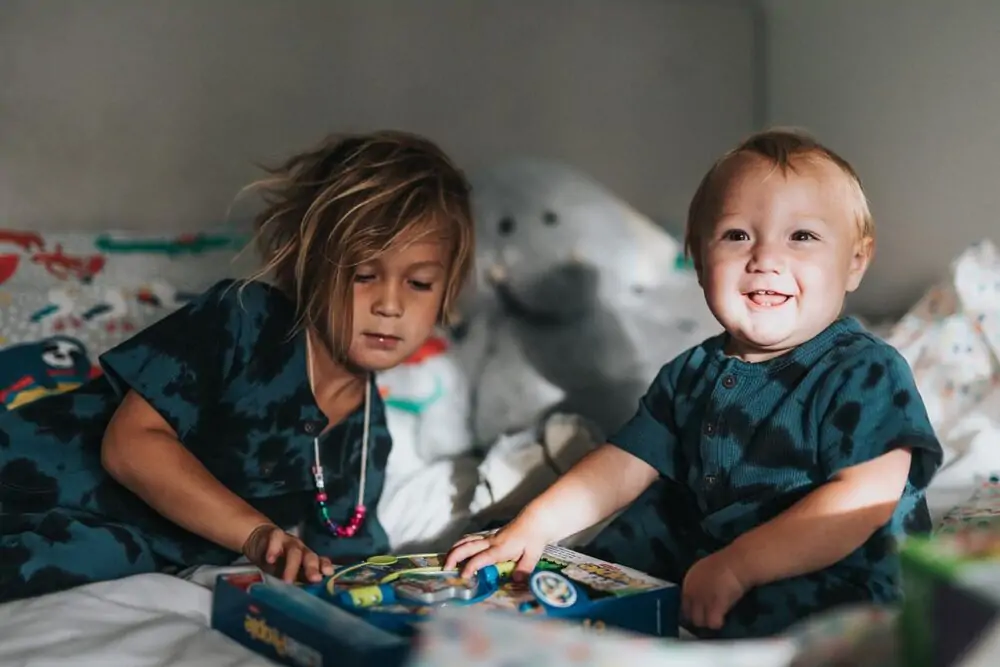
(951, 339)
(148, 620)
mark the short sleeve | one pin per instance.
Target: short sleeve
(179, 364)
(651, 434)
(875, 409)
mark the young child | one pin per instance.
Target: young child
(253, 409)
(782, 457)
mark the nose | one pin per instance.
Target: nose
(388, 300)
(765, 257)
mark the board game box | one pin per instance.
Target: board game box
(369, 612)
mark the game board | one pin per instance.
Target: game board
(394, 592)
(363, 610)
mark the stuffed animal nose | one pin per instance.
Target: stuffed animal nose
(497, 273)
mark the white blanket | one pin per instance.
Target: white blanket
(951, 339)
(150, 620)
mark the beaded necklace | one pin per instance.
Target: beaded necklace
(358, 516)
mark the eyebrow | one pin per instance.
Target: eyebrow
(433, 263)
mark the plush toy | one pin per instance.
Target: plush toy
(578, 300)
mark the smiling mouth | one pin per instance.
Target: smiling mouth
(767, 298)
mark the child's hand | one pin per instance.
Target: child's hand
(512, 542)
(711, 587)
(279, 553)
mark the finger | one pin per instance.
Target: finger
(686, 607)
(463, 552)
(275, 547)
(326, 566)
(715, 616)
(465, 539)
(488, 556)
(310, 566)
(698, 612)
(525, 565)
(293, 561)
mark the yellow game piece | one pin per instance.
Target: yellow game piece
(382, 560)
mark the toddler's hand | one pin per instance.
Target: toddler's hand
(711, 588)
(512, 542)
(281, 554)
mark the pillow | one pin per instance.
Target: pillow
(118, 259)
(67, 297)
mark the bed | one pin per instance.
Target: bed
(64, 298)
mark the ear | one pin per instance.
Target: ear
(864, 249)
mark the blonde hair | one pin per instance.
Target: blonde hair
(345, 202)
(783, 148)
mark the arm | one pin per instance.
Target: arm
(142, 452)
(601, 483)
(825, 526)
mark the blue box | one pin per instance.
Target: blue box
(361, 617)
(291, 626)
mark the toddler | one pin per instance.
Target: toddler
(779, 461)
(251, 410)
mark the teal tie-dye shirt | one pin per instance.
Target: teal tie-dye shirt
(738, 443)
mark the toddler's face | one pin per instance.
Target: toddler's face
(779, 253)
(397, 299)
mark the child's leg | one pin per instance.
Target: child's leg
(653, 535)
(61, 549)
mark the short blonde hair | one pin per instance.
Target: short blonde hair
(348, 200)
(783, 148)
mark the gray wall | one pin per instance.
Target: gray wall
(909, 91)
(149, 114)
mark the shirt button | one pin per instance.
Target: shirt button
(709, 429)
(710, 481)
(266, 468)
(310, 428)
(729, 382)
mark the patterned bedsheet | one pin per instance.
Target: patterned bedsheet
(66, 298)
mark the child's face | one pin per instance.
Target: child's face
(780, 254)
(397, 300)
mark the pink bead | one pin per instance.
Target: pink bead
(321, 497)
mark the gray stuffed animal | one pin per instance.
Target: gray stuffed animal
(577, 302)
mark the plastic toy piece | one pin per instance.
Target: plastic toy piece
(435, 589)
(554, 590)
(377, 582)
(367, 596)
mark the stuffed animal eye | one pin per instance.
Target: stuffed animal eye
(506, 225)
(549, 218)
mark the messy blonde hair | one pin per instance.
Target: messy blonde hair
(345, 202)
(784, 148)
